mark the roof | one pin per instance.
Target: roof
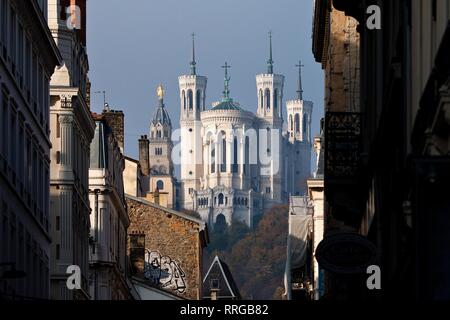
(227, 104)
(227, 287)
(161, 116)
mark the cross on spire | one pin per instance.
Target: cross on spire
(193, 63)
(270, 61)
(226, 92)
(299, 88)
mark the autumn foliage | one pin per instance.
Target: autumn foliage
(256, 258)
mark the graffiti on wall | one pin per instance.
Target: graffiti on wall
(163, 272)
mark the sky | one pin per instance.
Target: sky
(135, 45)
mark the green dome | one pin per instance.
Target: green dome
(227, 104)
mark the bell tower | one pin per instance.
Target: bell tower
(193, 100)
(269, 114)
(298, 159)
(270, 93)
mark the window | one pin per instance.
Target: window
(305, 126)
(291, 123)
(261, 99)
(5, 125)
(190, 99)
(235, 155)
(183, 99)
(221, 198)
(268, 190)
(247, 155)
(198, 98)
(267, 98)
(20, 54)
(13, 136)
(213, 158)
(223, 165)
(297, 123)
(13, 37)
(160, 185)
(275, 99)
(4, 16)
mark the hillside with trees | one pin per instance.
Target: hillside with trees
(255, 257)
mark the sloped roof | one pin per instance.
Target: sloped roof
(227, 287)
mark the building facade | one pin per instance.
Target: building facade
(72, 130)
(28, 57)
(393, 191)
(166, 248)
(108, 267)
(234, 163)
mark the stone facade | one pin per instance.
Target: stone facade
(72, 130)
(166, 247)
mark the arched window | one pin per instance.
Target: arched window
(160, 185)
(247, 155)
(275, 99)
(291, 123)
(267, 98)
(305, 126)
(235, 155)
(297, 123)
(198, 99)
(221, 224)
(213, 157)
(246, 201)
(223, 165)
(190, 99)
(183, 99)
(221, 198)
(261, 99)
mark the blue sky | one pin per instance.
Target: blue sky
(134, 45)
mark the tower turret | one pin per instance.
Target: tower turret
(193, 100)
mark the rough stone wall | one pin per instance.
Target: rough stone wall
(178, 242)
(342, 66)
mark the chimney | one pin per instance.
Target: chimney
(137, 252)
(144, 155)
(115, 120)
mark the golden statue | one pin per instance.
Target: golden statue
(160, 92)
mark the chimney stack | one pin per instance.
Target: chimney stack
(144, 155)
(115, 120)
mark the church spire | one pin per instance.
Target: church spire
(299, 87)
(193, 63)
(270, 61)
(226, 91)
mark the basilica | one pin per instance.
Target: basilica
(234, 163)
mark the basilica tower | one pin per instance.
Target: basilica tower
(299, 113)
(192, 96)
(270, 118)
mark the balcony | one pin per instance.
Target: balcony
(343, 145)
